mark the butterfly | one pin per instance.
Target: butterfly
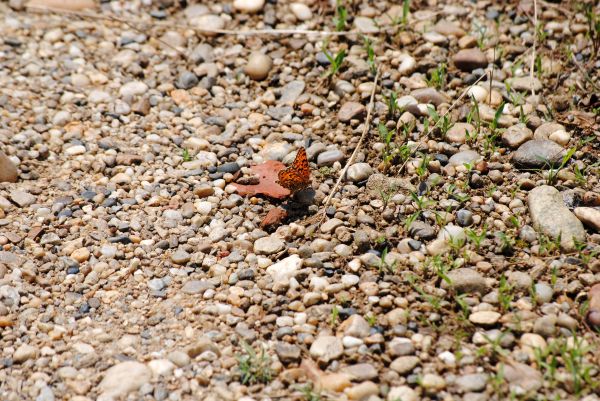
(296, 176)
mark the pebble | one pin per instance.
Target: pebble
(516, 135)
(459, 131)
(404, 364)
(463, 157)
(123, 378)
(180, 257)
(429, 95)
(351, 110)
(538, 153)
(24, 353)
(8, 170)
(484, 318)
(187, 80)
(258, 66)
(22, 198)
(432, 382)
(522, 378)
(268, 245)
(550, 216)
(285, 270)
(403, 393)
(543, 292)
(474, 382)
(248, 6)
(301, 11)
(359, 172)
(133, 88)
(329, 157)
(466, 280)
(469, 59)
(589, 216)
(326, 348)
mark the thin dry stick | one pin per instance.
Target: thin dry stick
(249, 32)
(358, 145)
(440, 119)
(535, 24)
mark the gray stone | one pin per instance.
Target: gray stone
(465, 156)
(589, 216)
(472, 383)
(24, 352)
(429, 95)
(543, 292)
(520, 280)
(329, 157)
(404, 364)
(464, 217)
(350, 110)
(466, 280)
(21, 198)
(516, 135)
(187, 80)
(359, 172)
(196, 286)
(291, 92)
(268, 245)
(326, 348)
(538, 153)
(470, 59)
(522, 378)
(287, 352)
(550, 216)
(180, 257)
(124, 378)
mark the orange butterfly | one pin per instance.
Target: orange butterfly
(296, 176)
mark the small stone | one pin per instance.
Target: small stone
(290, 92)
(516, 135)
(351, 110)
(362, 391)
(525, 83)
(545, 326)
(196, 287)
(287, 352)
(484, 318)
(330, 225)
(429, 95)
(470, 59)
(365, 25)
(400, 346)
(268, 245)
(404, 364)
(520, 280)
(522, 378)
(283, 271)
(248, 6)
(464, 217)
(361, 371)
(81, 255)
(359, 172)
(187, 80)
(326, 348)
(133, 88)
(403, 393)
(22, 198)
(538, 153)
(258, 66)
(550, 216)
(589, 216)
(180, 257)
(24, 352)
(179, 358)
(474, 382)
(123, 378)
(458, 132)
(464, 157)
(161, 367)
(432, 382)
(301, 11)
(466, 280)
(8, 171)
(355, 326)
(61, 118)
(543, 292)
(546, 129)
(329, 157)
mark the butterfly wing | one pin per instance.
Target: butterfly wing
(296, 176)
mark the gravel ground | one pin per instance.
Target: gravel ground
(454, 261)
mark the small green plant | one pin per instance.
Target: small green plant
(405, 11)
(370, 55)
(462, 304)
(446, 122)
(422, 167)
(335, 315)
(434, 301)
(335, 62)
(254, 367)
(387, 193)
(309, 393)
(476, 239)
(386, 136)
(384, 265)
(505, 295)
(538, 66)
(185, 154)
(481, 34)
(507, 242)
(371, 319)
(341, 16)
(593, 20)
(437, 77)
(553, 173)
(392, 104)
(474, 117)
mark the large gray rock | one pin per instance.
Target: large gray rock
(538, 153)
(550, 216)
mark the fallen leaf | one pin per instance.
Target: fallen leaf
(274, 217)
(593, 314)
(267, 184)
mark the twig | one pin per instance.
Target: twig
(249, 32)
(358, 145)
(440, 119)
(535, 30)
